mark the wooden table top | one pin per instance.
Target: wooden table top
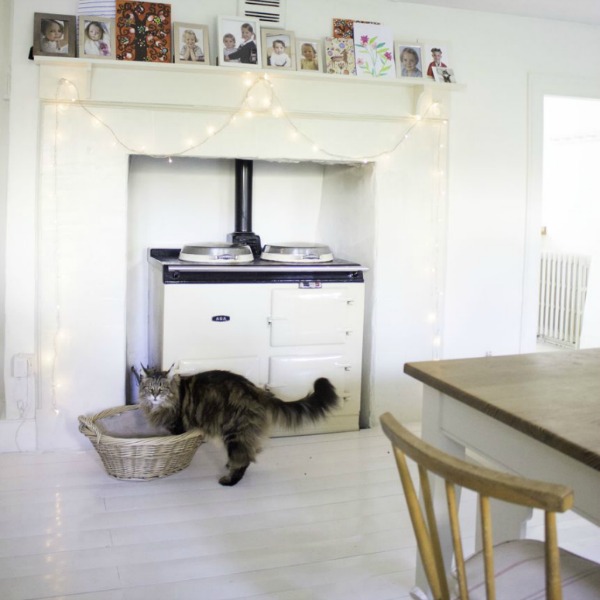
(553, 397)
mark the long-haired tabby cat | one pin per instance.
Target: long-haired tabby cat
(229, 406)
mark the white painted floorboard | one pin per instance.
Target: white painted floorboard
(318, 517)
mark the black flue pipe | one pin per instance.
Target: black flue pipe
(243, 233)
(243, 195)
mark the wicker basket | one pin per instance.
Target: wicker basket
(140, 458)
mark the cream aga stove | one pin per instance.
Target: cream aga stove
(282, 316)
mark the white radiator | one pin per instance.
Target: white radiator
(563, 287)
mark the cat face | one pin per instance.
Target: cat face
(155, 388)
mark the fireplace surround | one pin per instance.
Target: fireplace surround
(95, 115)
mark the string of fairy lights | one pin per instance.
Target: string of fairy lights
(254, 104)
(260, 99)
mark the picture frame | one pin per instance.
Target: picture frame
(247, 54)
(61, 28)
(409, 60)
(96, 37)
(143, 31)
(278, 49)
(313, 60)
(432, 52)
(191, 44)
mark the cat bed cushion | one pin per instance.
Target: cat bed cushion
(129, 424)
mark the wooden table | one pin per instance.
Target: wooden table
(537, 415)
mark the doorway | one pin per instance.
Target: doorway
(564, 151)
(569, 216)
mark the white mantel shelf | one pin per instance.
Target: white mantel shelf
(222, 88)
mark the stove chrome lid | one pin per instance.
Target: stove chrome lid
(216, 253)
(297, 253)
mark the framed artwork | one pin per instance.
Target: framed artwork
(435, 55)
(54, 35)
(309, 55)
(374, 50)
(339, 56)
(96, 37)
(143, 31)
(239, 42)
(278, 49)
(343, 28)
(191, 44)
(409, 60)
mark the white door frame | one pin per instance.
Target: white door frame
(540, 86)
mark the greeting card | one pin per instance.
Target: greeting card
(374, 50)
(339, 56)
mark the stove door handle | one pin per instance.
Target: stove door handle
(271, 320)
(345, 366)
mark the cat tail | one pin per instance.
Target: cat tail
(314, 407)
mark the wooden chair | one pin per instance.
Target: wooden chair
(517, 569)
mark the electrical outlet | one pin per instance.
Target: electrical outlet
(22, 365)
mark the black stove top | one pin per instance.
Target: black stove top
(175, 270)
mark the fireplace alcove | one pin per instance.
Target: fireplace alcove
(378, 197)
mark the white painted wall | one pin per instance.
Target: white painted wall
(487, 179)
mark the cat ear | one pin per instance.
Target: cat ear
(137, 375)
(170, 369)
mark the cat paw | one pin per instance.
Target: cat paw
(226, 480)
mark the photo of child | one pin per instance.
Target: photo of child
(278, 56)
(409, 61)
(229, 47)
(190, 49)
(96, 39)
(247, 50)
(438, 56)
(52, 37)
(309, 52)
(191, 43)
(279, 49)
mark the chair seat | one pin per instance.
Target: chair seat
(519, 570)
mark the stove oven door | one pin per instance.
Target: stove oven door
(306, 317)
